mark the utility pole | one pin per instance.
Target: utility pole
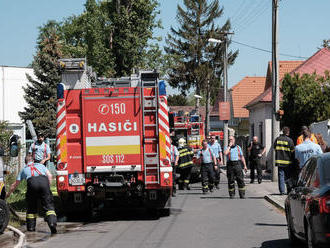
(275, 85)
(225, 83)
(225, 90)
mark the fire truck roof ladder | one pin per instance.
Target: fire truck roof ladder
(150, 107)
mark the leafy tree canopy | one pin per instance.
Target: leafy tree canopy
(306, 99)
(40, 94)
(197, 60)
(114, 36)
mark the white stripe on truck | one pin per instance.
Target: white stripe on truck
(113, 140)
(114, 168)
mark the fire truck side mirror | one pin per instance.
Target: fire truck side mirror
(13, 145)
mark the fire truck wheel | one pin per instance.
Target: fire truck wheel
(4, 215)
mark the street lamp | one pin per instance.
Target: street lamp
(225, 86)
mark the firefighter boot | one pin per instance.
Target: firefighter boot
(52, 223)
(186, 184)
(31, 222)
(241, 194)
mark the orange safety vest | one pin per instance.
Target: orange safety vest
(301, 139)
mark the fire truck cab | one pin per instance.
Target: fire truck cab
(112, 139)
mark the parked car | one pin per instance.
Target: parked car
(307, 206)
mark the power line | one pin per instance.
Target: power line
(267, 51)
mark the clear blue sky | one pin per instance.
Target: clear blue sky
(302, 27)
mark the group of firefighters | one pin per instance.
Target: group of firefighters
(210, 157)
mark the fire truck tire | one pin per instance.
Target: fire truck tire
(4, 215)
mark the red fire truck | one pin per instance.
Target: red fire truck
(190, 126)
(112, 139)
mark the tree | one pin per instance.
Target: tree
(306, 99)
(199, 64)
(113, 35)
(40, 94)
(177, 100)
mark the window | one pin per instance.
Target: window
(252, 130)
(324, 169)
(261, 132)
(307, 172)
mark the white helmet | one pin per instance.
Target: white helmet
(182, 142)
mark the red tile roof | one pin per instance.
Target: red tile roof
(284, 68)
(318, 63)
(243, 92)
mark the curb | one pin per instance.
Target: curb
(21, 239)
(274, 202)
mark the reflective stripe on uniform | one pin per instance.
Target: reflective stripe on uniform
(282, 148)
(282, 142)
(241, 188)
(186, 181)
(50, 212)
(231, 189)
(282, 162)
(31, 216)
(184, 164)
(184, 154)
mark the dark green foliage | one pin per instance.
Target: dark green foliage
(197, 60)
(5, 135)
(40, 94)
(177, 100)
(114, 36)
(306, 99)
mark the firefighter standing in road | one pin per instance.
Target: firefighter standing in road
(174, 162)
(284, 149)
(234, 169)
(185, 164)
(217, 151)
(40, 151)
(208, 163)
(38, 180)
(256, 151)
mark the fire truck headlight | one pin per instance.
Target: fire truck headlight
(61, 179)
(166, 175)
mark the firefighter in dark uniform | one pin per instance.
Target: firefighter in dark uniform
(208, 165)
(38, 179)
(284, 160)
(256, 150)
(234, 169)
(185, 164)
(39, 150)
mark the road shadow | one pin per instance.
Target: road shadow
(270, 224)
(120, 214)
(237, 197)
(278, 243)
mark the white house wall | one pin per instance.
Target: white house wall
(12, 80)
(262, 113)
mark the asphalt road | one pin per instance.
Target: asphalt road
(196, 220)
